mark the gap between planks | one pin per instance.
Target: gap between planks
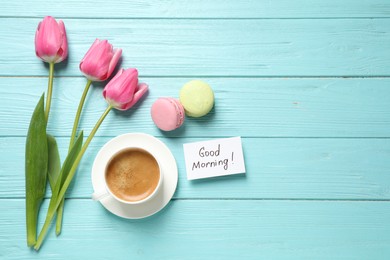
(216, 137)
(225, 76)
(199, 18)
(234, 199)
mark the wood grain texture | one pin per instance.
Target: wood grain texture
(305, 83)
(286, 168)
(198, 9)
(276, 47)
(243, 106)
(212, 230)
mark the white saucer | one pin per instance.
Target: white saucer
(168, 167)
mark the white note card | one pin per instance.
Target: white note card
(213, 158)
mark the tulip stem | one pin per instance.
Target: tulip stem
(68, 180)
(49, 90)
(78, 113)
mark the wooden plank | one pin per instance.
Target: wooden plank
(271, 47)
(198, 9)
(276, 168)
(254, 107)
(189, 229)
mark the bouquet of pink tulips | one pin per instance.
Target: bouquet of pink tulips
(42, 157)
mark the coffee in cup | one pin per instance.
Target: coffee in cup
(132, 176)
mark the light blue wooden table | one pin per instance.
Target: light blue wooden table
(305, 83)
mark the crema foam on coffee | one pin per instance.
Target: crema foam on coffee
(132, 175)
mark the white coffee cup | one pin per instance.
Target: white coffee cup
(132, 175)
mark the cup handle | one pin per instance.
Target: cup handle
(97, 196)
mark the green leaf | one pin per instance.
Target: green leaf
(35, 169)
(71, 157)
(54, 163)
(67, 165)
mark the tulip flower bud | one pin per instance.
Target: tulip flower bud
(51, 44)
(100, 60)
(123, 91)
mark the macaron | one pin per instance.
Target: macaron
(197, 98)
(167, 113)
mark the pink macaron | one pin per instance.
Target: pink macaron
(167, 113)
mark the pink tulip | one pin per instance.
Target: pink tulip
(50, 40)
(123, 91)
(100, 60)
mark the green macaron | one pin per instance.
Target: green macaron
(197, 98)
